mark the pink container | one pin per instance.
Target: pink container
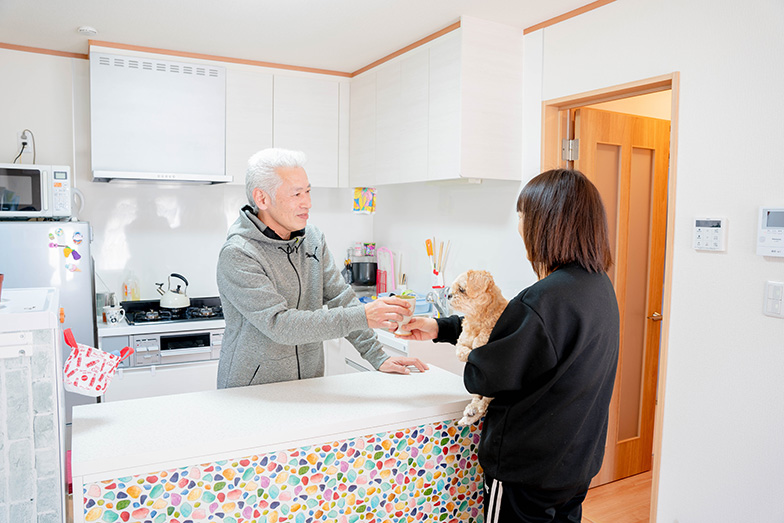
(1, 285)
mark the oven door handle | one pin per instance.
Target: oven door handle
(180, 352)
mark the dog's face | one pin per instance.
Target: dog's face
(469, 293)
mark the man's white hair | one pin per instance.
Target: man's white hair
(262, 174)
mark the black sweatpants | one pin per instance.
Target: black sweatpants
(507, 502)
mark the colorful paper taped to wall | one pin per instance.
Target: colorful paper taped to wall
(364, 200)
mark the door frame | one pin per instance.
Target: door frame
(554, 126)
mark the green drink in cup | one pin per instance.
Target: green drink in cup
(410, 297)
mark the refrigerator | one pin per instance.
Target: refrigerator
(55, 254)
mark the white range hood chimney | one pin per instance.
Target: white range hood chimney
(157, 119)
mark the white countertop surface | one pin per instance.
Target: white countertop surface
(29, 309)
(153, 433)
(123, 329)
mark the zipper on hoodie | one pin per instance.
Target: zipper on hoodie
(288, 250)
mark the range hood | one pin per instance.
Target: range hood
(156, 119)
(108, 176)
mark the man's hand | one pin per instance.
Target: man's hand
(421, 329)
(399, 365)
(384, 312)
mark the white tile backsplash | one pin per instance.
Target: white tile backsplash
(157, 229)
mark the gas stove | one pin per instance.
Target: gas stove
(150, 311)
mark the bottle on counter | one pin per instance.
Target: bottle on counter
(130, 287)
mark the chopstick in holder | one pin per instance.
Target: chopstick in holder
(446, 253)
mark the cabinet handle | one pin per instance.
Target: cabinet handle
(655, 317)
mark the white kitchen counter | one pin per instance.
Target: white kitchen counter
(146, 433)
(116, 443)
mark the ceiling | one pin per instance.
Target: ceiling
(339, 35)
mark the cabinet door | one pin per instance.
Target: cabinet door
(444, 107)
(362, 133)
(333, 358)
(388, 123)
(248, 119)
(413, 127)
(162, 380)
(306, 118)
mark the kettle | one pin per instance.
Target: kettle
(174, 299)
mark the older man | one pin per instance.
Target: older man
(275, 274)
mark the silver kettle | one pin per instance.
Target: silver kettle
(174, 298)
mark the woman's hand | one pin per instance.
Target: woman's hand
(384, 312)
(421, 329)
(400, 365)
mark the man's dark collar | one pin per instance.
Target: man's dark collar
(267, 230)
(269, 233)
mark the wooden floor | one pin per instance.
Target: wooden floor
(624, 501)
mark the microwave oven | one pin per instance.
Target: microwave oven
(35, 191)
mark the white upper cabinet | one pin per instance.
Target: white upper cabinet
(402, 119)
(306, 114)
(362, 133)
(444, 114)
(248, 119)
(411, 153)
(449, 109)
(491, 105)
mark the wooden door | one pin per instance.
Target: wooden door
(627, 157)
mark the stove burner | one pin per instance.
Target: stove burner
(203, 312)
(151, 315)
(150, 311)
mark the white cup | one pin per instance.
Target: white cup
(412, 303)
(114, 315)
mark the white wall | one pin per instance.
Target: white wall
(723, 422)
(151, 228)
(479, 221)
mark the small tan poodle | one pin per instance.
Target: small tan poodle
(475, 294)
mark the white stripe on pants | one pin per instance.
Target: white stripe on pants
(494, 507)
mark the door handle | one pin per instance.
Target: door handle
(655, 317)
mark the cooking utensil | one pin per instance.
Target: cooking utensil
(364, 272)
(174, 298)
(429, 248)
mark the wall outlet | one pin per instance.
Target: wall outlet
(24, 138)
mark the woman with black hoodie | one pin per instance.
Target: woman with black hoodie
(550, 361)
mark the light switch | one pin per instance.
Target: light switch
(773, 303)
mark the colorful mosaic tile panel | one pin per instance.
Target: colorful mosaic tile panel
(424, 473)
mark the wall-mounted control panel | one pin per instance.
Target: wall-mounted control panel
(710, 234)
(770, 232)
(774, 299)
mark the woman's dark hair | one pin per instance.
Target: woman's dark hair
(564, 222)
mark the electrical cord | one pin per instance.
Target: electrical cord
(20, 153)
(24, 146)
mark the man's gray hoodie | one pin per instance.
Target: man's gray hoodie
(273, 294)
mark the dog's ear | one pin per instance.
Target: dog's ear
(479, 282)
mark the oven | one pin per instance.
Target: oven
(170, 348)
(173, 353)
